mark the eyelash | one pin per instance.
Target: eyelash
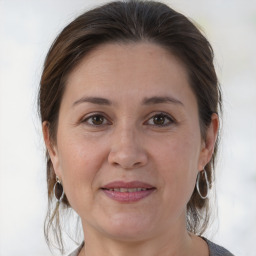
(87, 120)
(167, 117)
(170, 120)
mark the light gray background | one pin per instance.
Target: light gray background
(27, 29)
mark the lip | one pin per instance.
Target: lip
(131, 184)
(128, 197)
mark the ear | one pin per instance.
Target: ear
(51, 148)
(209, 142)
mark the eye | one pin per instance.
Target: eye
(96, 120)
(160, 119)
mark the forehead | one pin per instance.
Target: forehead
(141, 53)
(132, 68)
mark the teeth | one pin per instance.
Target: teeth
(127, 190)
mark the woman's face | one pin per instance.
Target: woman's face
(128, 146)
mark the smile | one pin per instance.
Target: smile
(127, 192)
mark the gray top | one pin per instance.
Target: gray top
(215, 250)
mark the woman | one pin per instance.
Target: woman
(129, 102)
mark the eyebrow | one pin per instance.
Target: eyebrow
(94, 100)
(159, 100)
(146, 101)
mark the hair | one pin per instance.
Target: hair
(130, 22)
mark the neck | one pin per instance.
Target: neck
(173, 241)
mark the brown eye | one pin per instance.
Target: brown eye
(96, 120)
(160, 120)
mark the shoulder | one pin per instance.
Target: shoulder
(217, 250)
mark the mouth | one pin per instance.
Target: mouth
(128, 191)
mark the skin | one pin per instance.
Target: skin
(156, 143)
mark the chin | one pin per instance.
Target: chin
(128, 227)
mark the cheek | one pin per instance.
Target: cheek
(80, 161)
(177, 160)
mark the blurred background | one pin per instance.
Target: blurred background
(27, 29)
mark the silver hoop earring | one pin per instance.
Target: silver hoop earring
(58, 190)
(207, 184)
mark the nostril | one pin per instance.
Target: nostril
(127, 166)
(115, 164)
(127, 157)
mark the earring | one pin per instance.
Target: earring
(207, 184)
(58, 190)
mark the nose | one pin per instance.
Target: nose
(127, 151)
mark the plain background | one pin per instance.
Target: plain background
(27, 29)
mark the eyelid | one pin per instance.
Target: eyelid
(85, 119)
(166, 115)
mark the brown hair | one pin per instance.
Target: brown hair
(124, 22)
